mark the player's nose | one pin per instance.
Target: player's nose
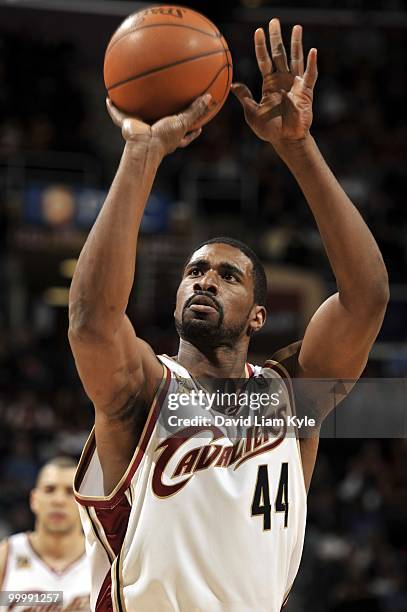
(207, 282)
(59, 498)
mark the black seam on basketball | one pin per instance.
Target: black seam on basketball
(212, 82)
(143, 74)
(227, 65)
(156, 25)
(224, 45)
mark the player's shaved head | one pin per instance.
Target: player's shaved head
(59, 462)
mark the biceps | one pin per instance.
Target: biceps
(337, 341)
(110, 367)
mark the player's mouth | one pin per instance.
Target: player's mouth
(57, 516)
(203, 303)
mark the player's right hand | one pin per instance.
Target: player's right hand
(167, 134)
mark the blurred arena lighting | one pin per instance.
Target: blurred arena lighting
(67, 267)
(58, 205)
(98, 7)
(56, 296)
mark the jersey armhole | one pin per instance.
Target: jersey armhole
(88, 454)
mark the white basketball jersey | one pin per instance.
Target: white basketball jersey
(26, 571)
(203, 520)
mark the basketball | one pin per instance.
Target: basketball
(160, 59)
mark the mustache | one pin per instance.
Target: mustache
(206, 294)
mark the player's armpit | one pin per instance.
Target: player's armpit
(115, 367)
(118, 432)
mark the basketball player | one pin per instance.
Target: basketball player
(52, 557)
(193, 520)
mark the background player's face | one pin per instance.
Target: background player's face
(220, 278)
(53, 503)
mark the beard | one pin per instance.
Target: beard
(208, 331)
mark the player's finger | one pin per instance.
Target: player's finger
(197, 110)
(297, 56)
(262, 55)
(190, 137)
(278, 54)
(311, 72)
(241, 91)
(115, 114)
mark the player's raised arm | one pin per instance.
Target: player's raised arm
(119, 371)
(339, 336)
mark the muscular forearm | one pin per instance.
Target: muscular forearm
(105, 271)
(352, 251)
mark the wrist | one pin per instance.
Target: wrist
(292, 149)
(150, 153)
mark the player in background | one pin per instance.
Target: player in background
(52, 557)
(194, 538)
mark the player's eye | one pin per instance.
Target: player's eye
(49, 489)
(228, 276)
(194, 272)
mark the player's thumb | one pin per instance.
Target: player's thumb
(116, 116)
(245, 97)
(242, 92)
(250, 108)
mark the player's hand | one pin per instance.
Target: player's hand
(167, 134)
(284, 113)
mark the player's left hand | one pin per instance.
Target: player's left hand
(284, 113)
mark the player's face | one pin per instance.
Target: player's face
(53, 502)
(215, 301)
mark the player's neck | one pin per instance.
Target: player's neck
(220, 362)
(57, 550)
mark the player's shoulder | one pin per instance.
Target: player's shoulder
(285, 360)
(17, 538)
(4, 544)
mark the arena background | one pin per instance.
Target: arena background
(58, 154)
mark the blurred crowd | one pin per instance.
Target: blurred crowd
(355, 555)
(359, 124)
(43, 413)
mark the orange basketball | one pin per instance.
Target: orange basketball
(160, 59)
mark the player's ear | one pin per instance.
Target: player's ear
(33, 500)
(258, 318)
